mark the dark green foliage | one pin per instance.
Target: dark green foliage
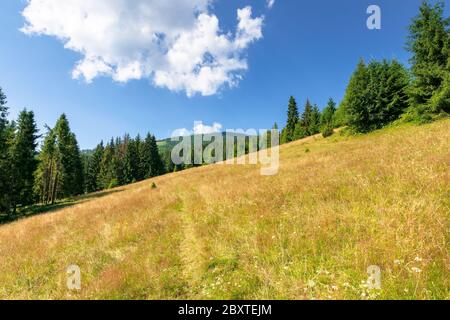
(340, 118)
(131, 161)
(22, 161)
(292, 120)
(429, 42)
(93, 169)
(376, 95)
(307, 116)
(46, 171)
(3, 151)
(154, 186)
(327, 118)
(107, 170)
(69, 164)
(60, 172)
(300, 132)
(314, 127)
(127, 160)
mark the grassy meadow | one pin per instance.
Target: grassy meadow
(337, 206)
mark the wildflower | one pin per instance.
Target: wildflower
(418, 259)
(398, 262)
(335, 288)
(311, 284)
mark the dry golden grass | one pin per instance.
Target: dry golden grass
(219, 231)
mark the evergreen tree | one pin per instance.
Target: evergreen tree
(314, 127)
(291, 120)
(46, 173)
(23, 162)
(429, 42)
(376, 95)
(131, 162)
(327, 118)
(77, 169)
(145, 157)
(69, 180)
(300, 132)
(307, 117)
(157, 164)
(93, 169)
(107, 176)
(3, 151)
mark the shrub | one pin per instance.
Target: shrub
(327, 131)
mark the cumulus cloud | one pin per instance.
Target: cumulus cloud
(178, 43)
(199, 128)
(270, 3)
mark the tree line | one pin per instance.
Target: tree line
(60, 170)
(123, 161)
(381, 92)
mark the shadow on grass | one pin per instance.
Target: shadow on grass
(37, 209)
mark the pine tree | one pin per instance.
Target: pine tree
(69, 180)
(60, 172)
(307, 117)
(107, 176)
(300, 132)
(23, 162)
(93, 169)
(157, 164)
(46, 172)
(77, 169)
(131, 162)
(429, 42)
(314, 127)
(376, 95)
(292, 119)
(145, 157)
(3, 152)
(327, 118)
(356, 100)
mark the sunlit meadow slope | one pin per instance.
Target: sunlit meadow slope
(337, 206)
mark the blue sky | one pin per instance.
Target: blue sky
(308, 49)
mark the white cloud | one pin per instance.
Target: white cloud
(199, 128)
(270, 3)
(178, 43)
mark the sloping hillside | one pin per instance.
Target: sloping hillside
(337, 206)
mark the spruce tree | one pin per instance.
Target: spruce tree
(327, 117)
(429, 42)
(314, 127)
(93, 169)
(157, 164)
(300, 132)
(131, 162)
(107, 176)
(145, 157)
(3, 151)
(77, 169)
(356, 98)
(292, 119)
(376, 95)
(307, 117)
(23, 162)
(46, 173)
